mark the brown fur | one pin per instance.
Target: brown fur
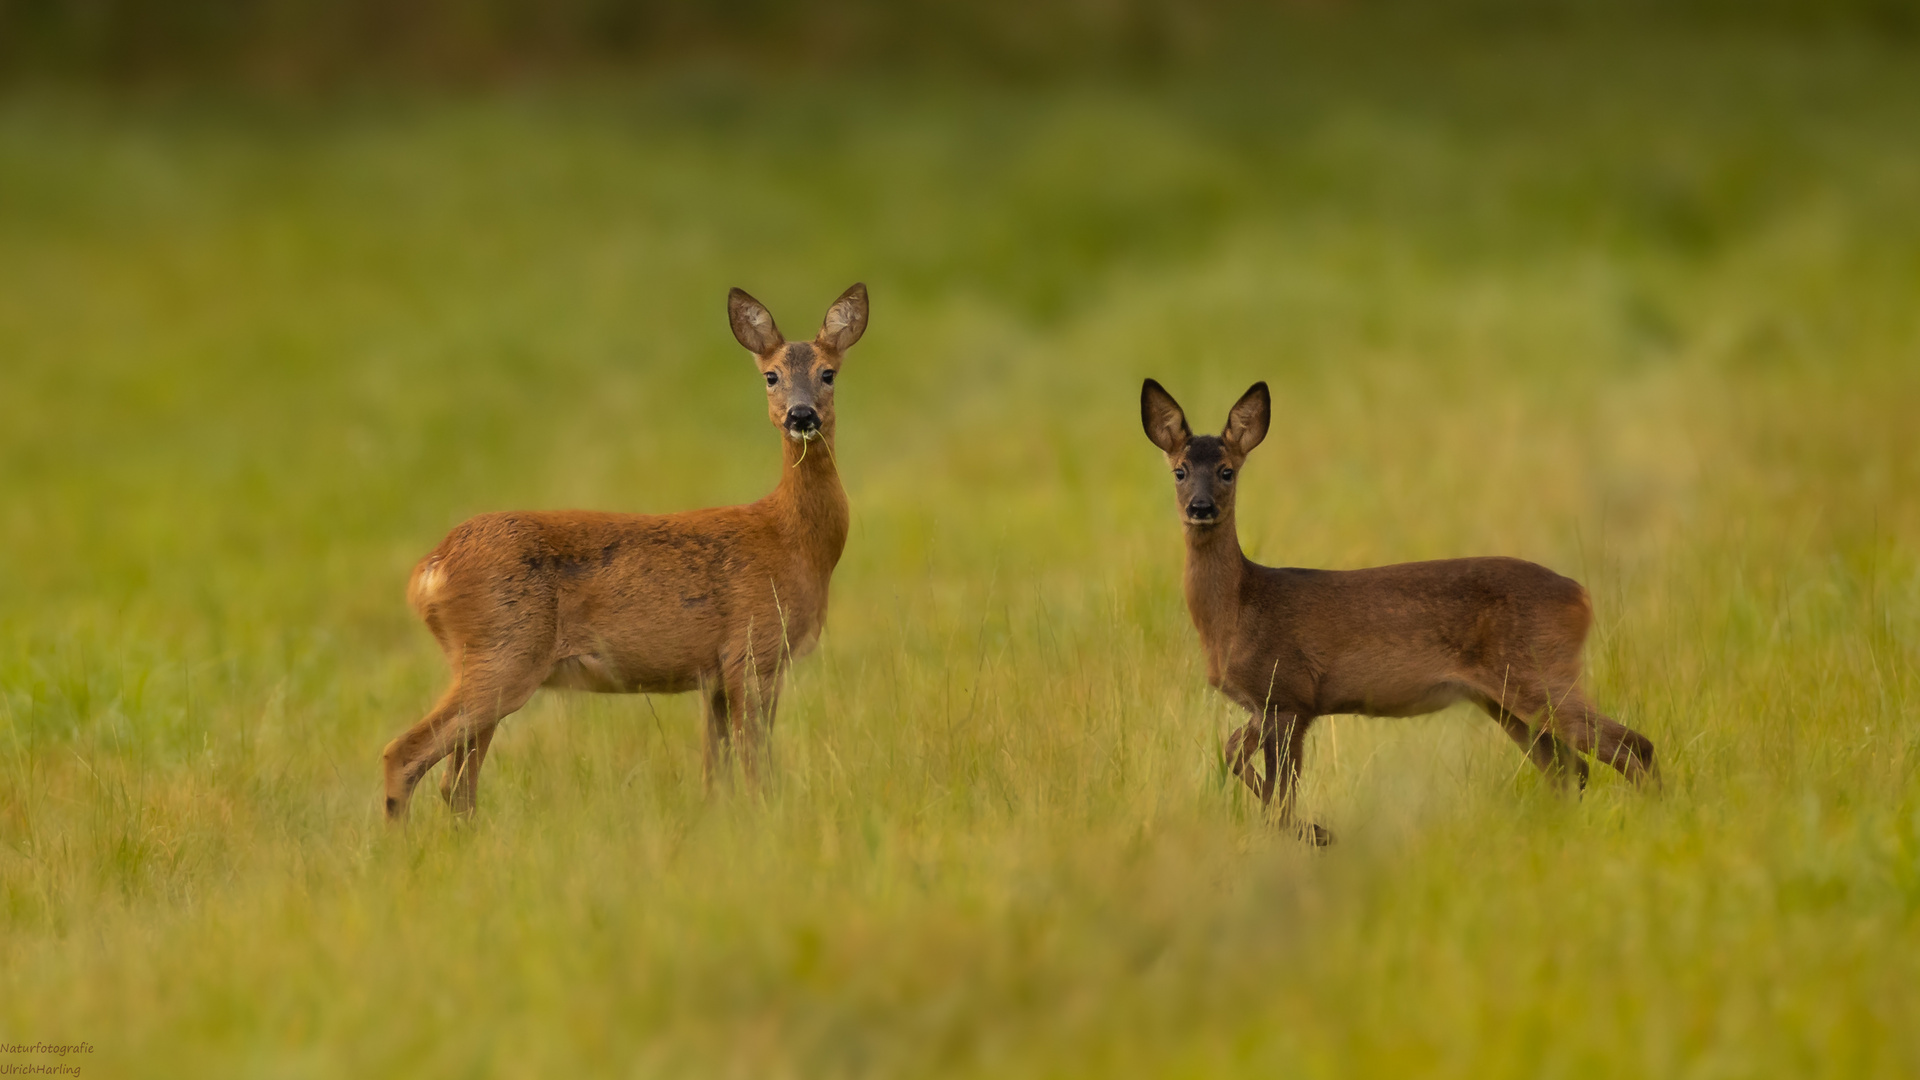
(1292, 645)
(719, 601)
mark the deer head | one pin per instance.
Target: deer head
(1205, 466)
(799, 374)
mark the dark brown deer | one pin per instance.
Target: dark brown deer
(716, 601)
(1290, 645)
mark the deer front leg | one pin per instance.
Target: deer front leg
(1267, 734)
(716, 761)
(1279, 738)
(753, 705)
(740, 711)
(762, 707)
(750, 675)
(1284, 741)
(1263, 734)
(1241, 744)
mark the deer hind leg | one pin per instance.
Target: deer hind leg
(411, 743)
(1558, 762)
(485, 700)
(485, 691)
(1591, 731)
(460, 787)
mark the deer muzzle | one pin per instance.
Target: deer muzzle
(802, 422)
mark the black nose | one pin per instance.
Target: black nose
(1200, 509)
(803, 418)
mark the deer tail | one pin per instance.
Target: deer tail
(1582, 614)
(424, 586)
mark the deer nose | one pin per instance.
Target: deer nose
(1201, 510)
(803, 418)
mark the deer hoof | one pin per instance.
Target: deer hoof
(1314, 835)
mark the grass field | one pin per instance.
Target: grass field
(1639, 308)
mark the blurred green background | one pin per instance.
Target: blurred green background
(289, 289)
(308, 43)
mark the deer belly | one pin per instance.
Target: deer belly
(1432, 700)
(1391, 700)
(1379, 683)
(643, 651)
(595, 674)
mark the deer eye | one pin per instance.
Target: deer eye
(1179, 474)
(773, 378)
(1226, 475)
(827, 377)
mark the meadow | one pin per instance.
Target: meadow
(1638, 306)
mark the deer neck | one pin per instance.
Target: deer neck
(809, 503)
(1215, 568)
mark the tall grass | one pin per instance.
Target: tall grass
(1642, 310)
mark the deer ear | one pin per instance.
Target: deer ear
(846, 320)
(1247, 420)
(752, 324)
(1166, 425)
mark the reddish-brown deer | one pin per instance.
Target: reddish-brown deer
(717, 601)
(1291, 645)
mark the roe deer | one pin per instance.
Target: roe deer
(1290, 645)
(718, 601)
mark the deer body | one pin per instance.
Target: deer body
(1291, 645)
(717, 601)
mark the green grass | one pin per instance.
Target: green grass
(1641, 309)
